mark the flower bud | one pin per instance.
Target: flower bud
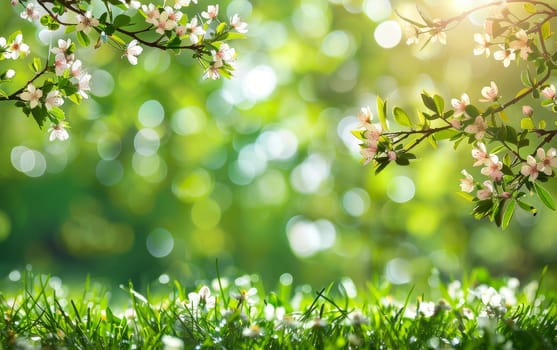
(392, 155)
(527, 110)
(456, 123)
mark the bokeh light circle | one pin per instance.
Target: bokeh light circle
(388, 34)
(159, 243)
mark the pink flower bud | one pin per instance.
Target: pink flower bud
(527, 110)
(456, 123)
(549, 92)
(392, 155)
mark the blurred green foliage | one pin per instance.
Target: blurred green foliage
(165, 173)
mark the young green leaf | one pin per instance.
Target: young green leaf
(401, 117)
(526, 123)
(544, 196)
(439, 104)
(429, 102)
(83, 39)
(382, 112)
(508, 213)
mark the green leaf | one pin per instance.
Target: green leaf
(429, 102)
(57, 113)
(382, 112)
(466, 196)
(83, 39)
(417, 24)
(472, 111)
(522, 92)
(235, 35)
(508, 213)
(546, 30)
(445, 134)
(528, 207)
(439, 104)
(121, 21)
(381, 164)
(530, 8)
(401, 117)
(526, 123)
(525, 79)
(39, 115)
(544, 196)
(36, 64)
(221, 27)
(359, 134)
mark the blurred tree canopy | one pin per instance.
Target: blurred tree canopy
(165, 172)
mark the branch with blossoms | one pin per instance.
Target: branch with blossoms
(126, 26)
(515, 157)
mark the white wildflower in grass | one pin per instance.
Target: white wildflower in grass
(454, 289)
(274, 313)
(317, 322)
(427, 308)
(357, 318)
(247, 296)
(201, 300)
(252, 331)
(172, 343)
(468, 313)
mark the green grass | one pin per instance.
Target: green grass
(39, 311)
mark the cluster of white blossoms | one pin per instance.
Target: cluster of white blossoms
(65, 65)
(73, 82)
(372, 135)
(172, 19)
(504, 53)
